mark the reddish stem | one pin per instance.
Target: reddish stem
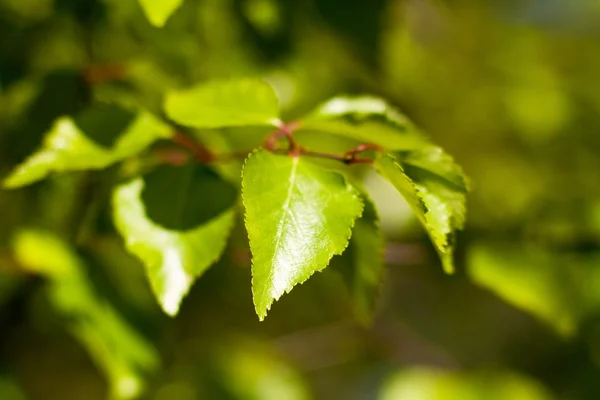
(174, 156)
(351, 156)
(271, 143)
(201, 153)
(285, 131)
(96, 74)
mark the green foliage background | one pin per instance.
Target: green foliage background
(509, 88)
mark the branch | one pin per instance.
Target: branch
(286, 131)
(96, 74)
(271, 143)
(201, 153)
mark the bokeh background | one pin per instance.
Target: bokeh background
(510, 88)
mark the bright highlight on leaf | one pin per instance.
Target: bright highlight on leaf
(159, 11)
(68, 147)
(257, 372)
(298, 216)
(118, 350)
(431, 384)
(173, 258)
(366, 119)
(221, 104)
(434, 195)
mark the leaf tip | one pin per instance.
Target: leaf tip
(16, 180)
(171, 308)
(8, 183)
(159, 12)
(448, 264)
(156, 21)
(262, 310)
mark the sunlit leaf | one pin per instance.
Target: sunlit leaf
(298, 216)
(177, 221)
(225, 103)
(439, 204)
(159, 11)
(118, 350)
(78, 144)
(363, 265)
(429, 384)
(366, 119)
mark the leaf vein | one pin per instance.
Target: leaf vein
(280, 226)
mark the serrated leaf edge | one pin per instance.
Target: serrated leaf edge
(130, 244)
(347, 240)
(444, 249)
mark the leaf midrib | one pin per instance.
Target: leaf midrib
(285, 209)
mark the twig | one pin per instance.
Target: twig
(96, 74)
(271, 144)
(201, 153)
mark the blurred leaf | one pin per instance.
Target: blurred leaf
(67, 147)
(174, 251)
(366, 119)
(264, 15)
(158, 11)
(124, 273)
(252, 371)
(557, 289)
(297, 216)
(9, 390)
(426, 384)
(539, 113)
(118, 350)
(440, 206)
(225, 103)
(183, 198)
(364, 266)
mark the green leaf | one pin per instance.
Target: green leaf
(559, 289)
(432, 384)
(226, 103)
(439, 204)
(363, 268)
(368, 120)
(434, 160)
(118, 350)
(69, 147)
(298, 216)
(171, 222)
(159, 11)
(251, 370)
